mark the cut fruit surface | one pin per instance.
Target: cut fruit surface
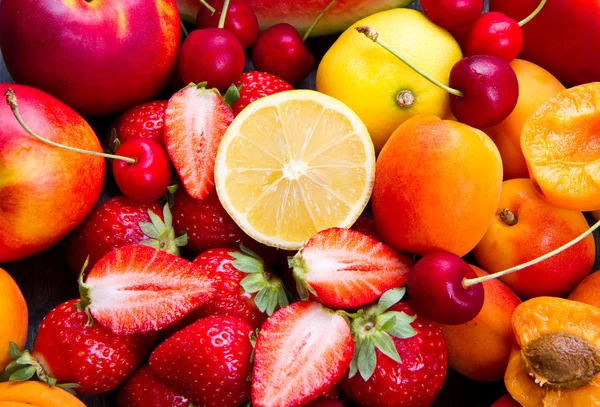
(292, 164)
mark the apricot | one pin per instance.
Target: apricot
(437, 185)
(13, 317)
(36, 394)
(480, 348)
(536, 86)
(588, 291)
(525, 227)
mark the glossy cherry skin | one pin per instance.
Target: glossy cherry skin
(240, 20)
(212, 55)
(494, 34)
(490, 90)
(452, 14)
(146, 180)
(436, 292)
(280, 51)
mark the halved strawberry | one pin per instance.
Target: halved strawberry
(137, 289)
(301, 351)
(195, 122)
(346, 269)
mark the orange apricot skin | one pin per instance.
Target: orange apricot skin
(36, 394)
(541, 228)
(13, 317)
(588, 291)
(480, 348)
(437, 185)
(536, 86)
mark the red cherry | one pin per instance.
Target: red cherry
(436, 291)
(240, 20)
(212, 55)
(148, 178)
(490, 89)
(494, 34)
(281, 51)
(452, 14)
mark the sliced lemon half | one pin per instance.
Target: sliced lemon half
(292, 164)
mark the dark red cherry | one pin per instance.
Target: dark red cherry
(490, 89)
(212, 55)
(494, 34)
(452, 14)
(240, 20)
(148, 178)
(436, 291)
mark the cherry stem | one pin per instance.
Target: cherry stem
(469, 282)
(11, 100)
(185, 31)
(208, 6)
(532, 15)
(224, 14)
(374, 36)
(314, 24)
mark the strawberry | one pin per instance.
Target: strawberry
(209, 361)
(343, 269)
(401, 357)
(256, 85)
(195, 122)
(88, 358)
(117, 222)
(137, 289)
(366, 226)
(145, 389)
(143, 121)
(301, 352)
(325, 403)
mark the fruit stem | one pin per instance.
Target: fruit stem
(11, 100)
(469, 282)
(224, 14)
(208, 6)
(508, 217)
(374, 36)
(532, 15)
(185, 31)
(314, 24)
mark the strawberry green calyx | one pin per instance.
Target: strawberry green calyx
(298, 265)
(373, 328)
(269, 289)
(83, 305)
(161, 235)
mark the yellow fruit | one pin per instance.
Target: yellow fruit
(367, 78)
(292, 164)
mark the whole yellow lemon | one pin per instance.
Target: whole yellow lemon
(370, 80)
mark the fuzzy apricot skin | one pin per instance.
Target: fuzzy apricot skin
(13, 317)
(588, 291)
(479, 349)
(36, 394)
(437, 186)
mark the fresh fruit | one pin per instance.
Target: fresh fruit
(149, 176)
(68, 349)
(452, 14)
(256, 85)
(374, 83)
(559, 142)
(479, 349)
(14, 317)
(240, 20)
(536, 87)
(525, 227)
(118, 222)
(301, 351)
(436, 291)
(413, 377)
(128, 62)
(145, 389)
(588, 291)
(36, 394)
(506, 401)
(138, 289)
(145, 121)
(325, 403)
(294, 163)
(195, 122)
(448, 173)
(561, 38)
(221, 342)
(345, 269)
(366, 226)
(38, 208)
(556, 357)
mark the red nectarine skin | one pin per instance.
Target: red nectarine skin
(506, 401)
(45, 191)
(97, 56)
